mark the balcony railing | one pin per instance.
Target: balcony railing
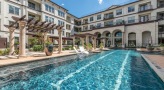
(130, 22)
(32, 8)
(108, 17)
(146, 8)
(160, 5)
(84, 23)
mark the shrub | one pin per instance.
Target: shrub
(38, 48)
(1, 52)
(6, 51)
(101, 46)
(161, 45)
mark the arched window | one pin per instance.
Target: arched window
(118, 34)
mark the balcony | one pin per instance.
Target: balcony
(145, 8)
(34, 6)
(160, 4)
(122, 23)
(109, 17)
(84, 23)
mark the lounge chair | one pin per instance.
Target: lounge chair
(3, 58)
(79, 54)
(83, 50)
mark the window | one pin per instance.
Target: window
(144, 18)
(91, 18)
(98, 24)
(61, 23)
(49, 8)
(49, 19)
(119, 21)
(143, 7)
(68, 27)
(60, 13)
(131, 19)
(119, 12)
(131, 9)
(91, 27)
(13, 10)
(98, 17)
(108, 23)
(31, 5)
(63, 33)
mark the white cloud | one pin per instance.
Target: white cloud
(62, 4)
(100, 1)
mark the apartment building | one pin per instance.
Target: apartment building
(135, 24)
(42, 10)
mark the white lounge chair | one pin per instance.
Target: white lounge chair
(80, 55)
(83, 50)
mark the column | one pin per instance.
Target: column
(82, 41)
(103, 40)
(11, 29)
(94, 43)
(73, 42)
(45, 38)
(87, 41)
(60, 40)
(22, 36)
(123, 44)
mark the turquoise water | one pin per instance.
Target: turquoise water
(110, 70)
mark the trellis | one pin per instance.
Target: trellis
(34, 26)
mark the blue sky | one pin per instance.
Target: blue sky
(81, 8)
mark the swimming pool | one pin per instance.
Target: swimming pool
(109, 70)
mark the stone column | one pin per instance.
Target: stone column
(103, 41)
(87, 41)
(94, 43)
(73, 42)
(45, 37)
(123, 44)
(82, 41)
(22, 36)
(60, 40)
(12, 40)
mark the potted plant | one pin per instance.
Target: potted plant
(89, 46)
(101, 46)
(161, 46)
(150, 47)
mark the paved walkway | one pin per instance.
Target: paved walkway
(40, 57)
(157, 59)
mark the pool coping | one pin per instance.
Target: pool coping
(36, 59)
(157, 69)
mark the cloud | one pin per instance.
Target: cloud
(100, 1)
(62, 4)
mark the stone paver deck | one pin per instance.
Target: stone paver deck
(157, 59)
(29, 59)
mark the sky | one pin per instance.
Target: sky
(81, 8)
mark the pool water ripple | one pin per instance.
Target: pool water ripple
(93, 74)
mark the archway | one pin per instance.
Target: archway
(146, 38)
(132, 39)
(98, 41)
(117, 38)
(107, 37)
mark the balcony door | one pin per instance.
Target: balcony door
(144, 18)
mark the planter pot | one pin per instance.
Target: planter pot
(162, 48)
(49, 50)
(150, 48)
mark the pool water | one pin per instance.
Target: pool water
(109, 70)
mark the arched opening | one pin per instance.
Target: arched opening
(118, 38)
(146, 38)
(107, 37)
(98, 41)
(132, 39)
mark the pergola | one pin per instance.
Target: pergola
(34, 26)
(86, 37)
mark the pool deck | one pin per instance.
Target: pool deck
(156, 62)
(40, 56)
